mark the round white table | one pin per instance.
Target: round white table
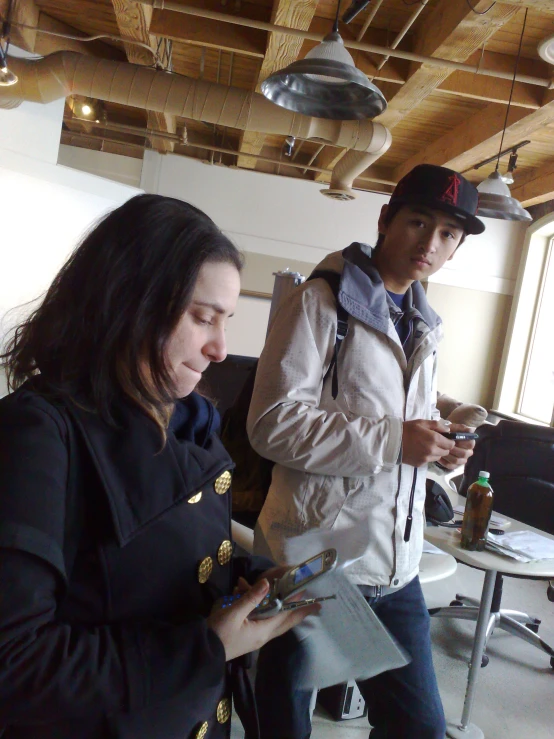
(433, 567)
(449, 541)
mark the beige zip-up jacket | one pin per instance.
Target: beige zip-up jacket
(338, 461)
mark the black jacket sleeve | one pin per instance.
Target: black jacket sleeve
(50, 669)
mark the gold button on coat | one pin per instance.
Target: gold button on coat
(205, 569)
(224, 710)
(202, 731)
(225, 552)
(223, 483)
(195, 498)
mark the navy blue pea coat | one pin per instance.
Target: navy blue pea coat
(102, 614)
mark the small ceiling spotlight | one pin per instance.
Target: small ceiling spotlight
(288, 146)
(87, 109)
(7, 78)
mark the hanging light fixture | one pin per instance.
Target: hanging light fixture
(326, 84)
(546, 49)
(495, 200)
(7, 78)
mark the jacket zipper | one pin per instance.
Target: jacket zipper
(410, 517)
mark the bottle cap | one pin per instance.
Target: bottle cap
(484, 474)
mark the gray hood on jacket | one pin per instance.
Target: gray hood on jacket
(363, 295)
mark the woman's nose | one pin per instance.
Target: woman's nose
(216, 350)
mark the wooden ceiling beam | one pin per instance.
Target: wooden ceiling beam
(134, 22)
(462, 84)
(452, 31)
(28, 13)
(544, 6)
(534, 187)
(281, 50)
(482, 87)
(47, 44)
(479, 137)
(210, 33)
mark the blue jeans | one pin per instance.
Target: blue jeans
(402, 703)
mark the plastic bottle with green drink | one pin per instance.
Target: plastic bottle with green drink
(477, 513)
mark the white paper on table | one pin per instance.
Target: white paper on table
(497, 549)
(526, 543)
(346, 640)
(429, 548)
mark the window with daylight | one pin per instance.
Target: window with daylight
(537, 391)
(526, 382)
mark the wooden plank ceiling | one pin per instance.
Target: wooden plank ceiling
(436, 114)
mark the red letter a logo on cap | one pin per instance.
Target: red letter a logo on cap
(450, 195)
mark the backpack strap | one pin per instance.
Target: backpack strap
(333, 280)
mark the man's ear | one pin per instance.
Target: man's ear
(381, 225)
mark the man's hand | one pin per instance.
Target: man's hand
(461, 451)
(423, 443)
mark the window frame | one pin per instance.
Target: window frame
(538, 251)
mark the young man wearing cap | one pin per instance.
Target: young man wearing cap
(352, 438)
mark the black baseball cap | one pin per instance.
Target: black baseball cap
(441, 189)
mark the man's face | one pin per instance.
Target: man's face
(417, 242)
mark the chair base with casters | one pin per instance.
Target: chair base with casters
(517, 623)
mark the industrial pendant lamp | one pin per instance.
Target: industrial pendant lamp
(495, 200)
(326, 84)
(7, 78)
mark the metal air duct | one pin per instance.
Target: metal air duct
(68, 73)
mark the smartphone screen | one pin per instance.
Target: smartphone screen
(308, 569)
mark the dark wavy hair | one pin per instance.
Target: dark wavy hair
(113, 306)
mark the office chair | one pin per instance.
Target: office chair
(520, 459)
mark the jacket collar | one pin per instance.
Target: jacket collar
(363, 295)
(141, 479)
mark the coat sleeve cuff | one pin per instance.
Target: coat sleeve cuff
(392, 454)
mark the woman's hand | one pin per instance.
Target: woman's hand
(239, 635)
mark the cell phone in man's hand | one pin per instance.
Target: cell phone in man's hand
(459, 435)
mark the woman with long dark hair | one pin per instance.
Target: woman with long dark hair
(115, 505)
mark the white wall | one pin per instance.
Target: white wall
(33, 130)
(126, 170)
(46, 209)
(278, 216)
